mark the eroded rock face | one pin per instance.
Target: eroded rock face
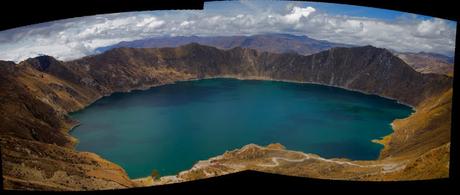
(37, 94)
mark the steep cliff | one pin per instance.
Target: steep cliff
(37, 94)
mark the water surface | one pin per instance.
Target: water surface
(171, 127)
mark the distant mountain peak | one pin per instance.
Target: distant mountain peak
(42, 62)
(281, 34)
(372, 47)
(195, 45)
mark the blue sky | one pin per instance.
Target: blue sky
(360, 11)
(77, 37)
(330, 8)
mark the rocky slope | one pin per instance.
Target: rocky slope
(37, 94)
(37, 153)
(34, 165)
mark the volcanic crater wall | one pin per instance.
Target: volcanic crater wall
(37, 94)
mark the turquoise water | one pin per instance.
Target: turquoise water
(171, 127)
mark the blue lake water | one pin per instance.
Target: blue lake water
(171, 127)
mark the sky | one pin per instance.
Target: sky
(74, 38)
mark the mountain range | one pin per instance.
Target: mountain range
(428, 62)
(286, 43)
(274, 43)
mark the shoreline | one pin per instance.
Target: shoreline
(249, 78)
(307, 82)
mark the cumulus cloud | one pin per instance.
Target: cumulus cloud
(297, 13)
(73, 38)
(433, 35)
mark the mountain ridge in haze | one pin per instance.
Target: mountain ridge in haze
(426, 62)
(270, 42)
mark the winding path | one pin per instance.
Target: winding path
(387, 167)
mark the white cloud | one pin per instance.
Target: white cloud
(432, 28)
(150, 22)
(432, 35)
(77, 37)
(74, 38)
(297, 13)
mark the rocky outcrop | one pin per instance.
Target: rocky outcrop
(37, 94)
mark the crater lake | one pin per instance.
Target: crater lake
(171, 127)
